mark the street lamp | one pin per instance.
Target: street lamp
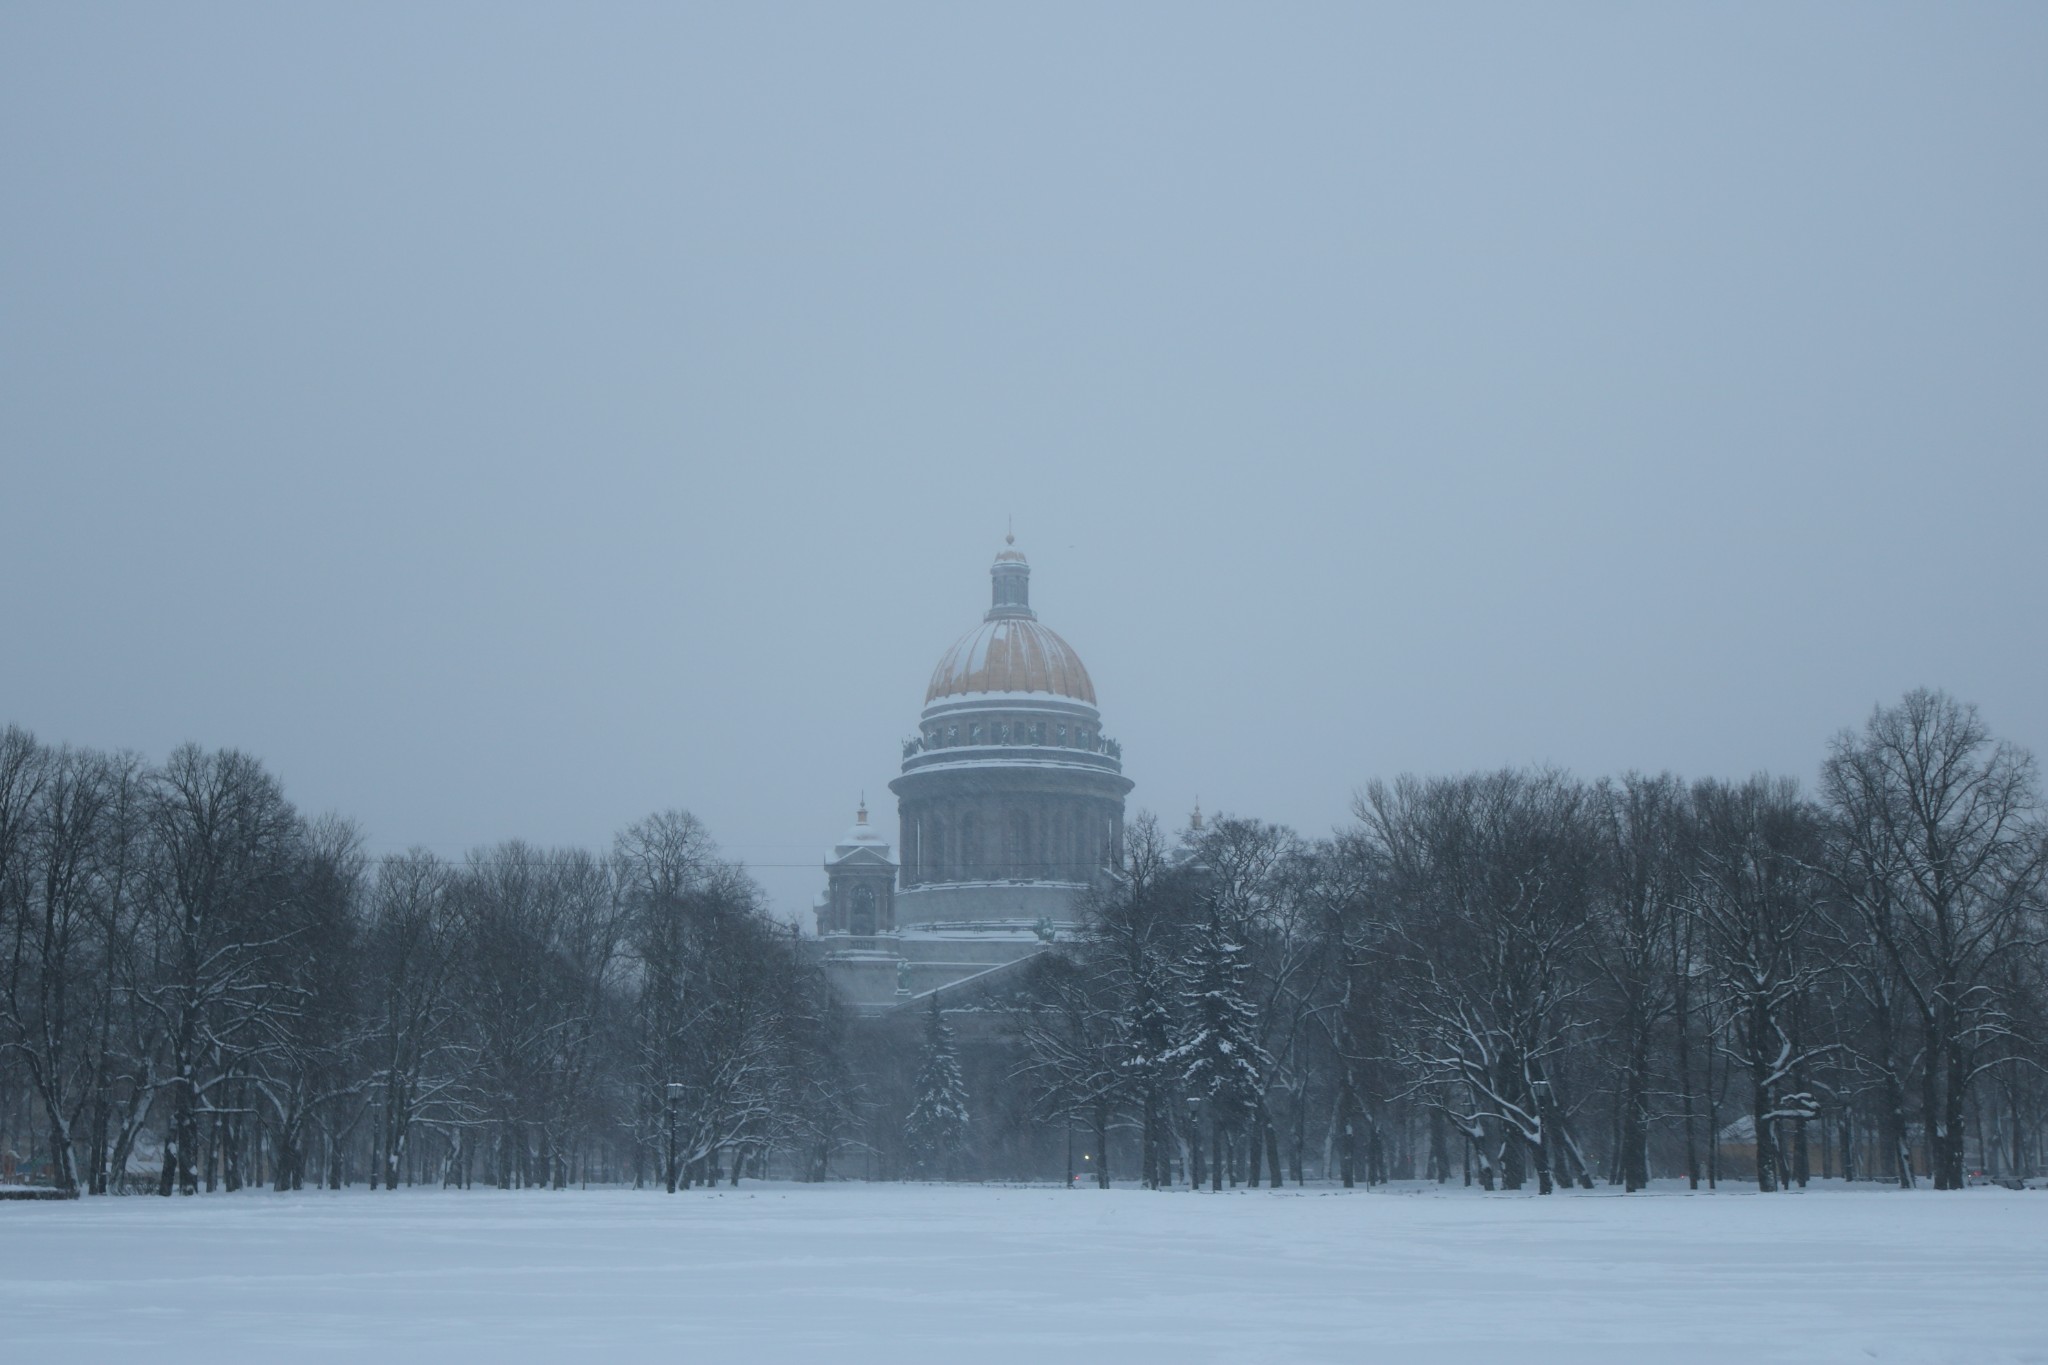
(675, 1097)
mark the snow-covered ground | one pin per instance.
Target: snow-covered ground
(982, 1275)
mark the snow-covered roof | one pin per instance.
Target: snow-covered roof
(860, 837)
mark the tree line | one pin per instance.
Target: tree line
(1520, 977)
(1507, 979)
(205, 986)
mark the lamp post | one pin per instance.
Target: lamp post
(675, 1097)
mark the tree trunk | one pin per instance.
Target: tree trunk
(1635, 1117)
(1713, 1098)
(1347, 1130)
(181, 1143)
(1954, 1096)
(1543, 1158)
(63, 1160)
(1148, 1148)
(1295, 1157)
(1898, 1138)
(1101, 1144)
(1760, 1109)
(1930, 1107)
(1682, 1009)
(1272, 1147)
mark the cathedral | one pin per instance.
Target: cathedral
(1010, 811)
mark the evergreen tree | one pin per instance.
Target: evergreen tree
(1144, 1037)
(1218, 1058)
(937, 1126)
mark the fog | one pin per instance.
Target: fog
(508, 422)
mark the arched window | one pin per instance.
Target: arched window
(863, 910)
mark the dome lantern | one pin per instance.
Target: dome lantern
(1010, 585)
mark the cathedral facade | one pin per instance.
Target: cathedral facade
(1010, 810)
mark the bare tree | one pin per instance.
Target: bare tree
(543, 937)
(668, 870)
(50, 804)
(1073, 1049)
(126, 1048)
(1487, 881)
(223, 843)
(1758, 906)
(1939, 849)
(721, 1001)
(1639, 822)
(415, 1057)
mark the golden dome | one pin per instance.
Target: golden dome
(1011, 654)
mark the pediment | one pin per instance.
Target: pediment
(865, 857)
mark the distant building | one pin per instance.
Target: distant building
(1010, 809)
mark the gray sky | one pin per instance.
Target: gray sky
(508, 422)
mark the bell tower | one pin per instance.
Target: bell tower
(860, 884)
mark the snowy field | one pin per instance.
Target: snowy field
(857, 1273)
